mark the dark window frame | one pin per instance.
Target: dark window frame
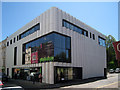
(74, 27)
(30, 31)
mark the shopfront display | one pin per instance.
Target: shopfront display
(67, 73)
(27, 73)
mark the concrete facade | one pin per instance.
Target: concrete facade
(85, 52)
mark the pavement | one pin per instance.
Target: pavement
(112, 82)
(92, 83)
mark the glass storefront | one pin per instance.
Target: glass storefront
(67, 73)
(27, 73)
(52, 47)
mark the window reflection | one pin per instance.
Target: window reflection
(30, 31)
(75, 28)
(101, 41)
(48, 48)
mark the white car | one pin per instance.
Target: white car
(117, 70)
(111, 71)
(12, 88)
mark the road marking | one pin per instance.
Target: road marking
(108, 84)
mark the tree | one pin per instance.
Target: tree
(111, 59)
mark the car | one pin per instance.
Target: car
(4, 77)
(117, 70)
(12, 88)
(111, 71)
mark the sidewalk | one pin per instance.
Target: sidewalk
(27, 85)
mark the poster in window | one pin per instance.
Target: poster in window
(34, 57)
(28, 56)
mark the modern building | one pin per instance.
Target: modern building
(2, 55)
(58, 46)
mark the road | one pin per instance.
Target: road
(111, 82)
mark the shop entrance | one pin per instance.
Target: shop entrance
(67, 73)
(27, 73)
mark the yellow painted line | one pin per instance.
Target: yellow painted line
(108, 84)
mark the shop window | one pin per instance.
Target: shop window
(67, 73)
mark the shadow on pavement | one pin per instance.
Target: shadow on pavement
(28, 85)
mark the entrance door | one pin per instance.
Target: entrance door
(77, 72)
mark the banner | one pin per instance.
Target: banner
(117, 49)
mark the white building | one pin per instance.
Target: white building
(62, 48)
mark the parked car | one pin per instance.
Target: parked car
(117, 70)
(12, 88)
(111, 71)
(4, 77)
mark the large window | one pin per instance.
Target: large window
(29, 31)
(101, 41)
(67, 73)
(15, 56)
(52, 47)
(75, 28)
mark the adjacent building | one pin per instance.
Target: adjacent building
(58, 46)
(3, 55)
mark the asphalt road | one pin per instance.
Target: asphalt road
(111, 82)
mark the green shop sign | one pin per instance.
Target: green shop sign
(46, 59)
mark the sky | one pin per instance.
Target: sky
(102, 16)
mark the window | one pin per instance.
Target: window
(74, 27)
(93, 36)
(14, 39)
(15, 56)
(7, 43)
(29, 31)
(86, 33)
(17, 38)
(101, 41)
(11, 41)
(51, 47)
(67, 73)
(90, 35)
